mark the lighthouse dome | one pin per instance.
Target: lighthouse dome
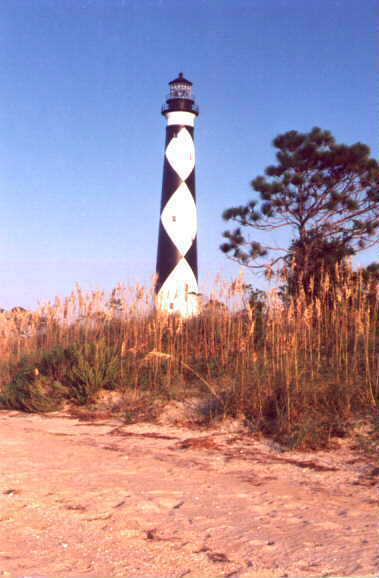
(181, 80)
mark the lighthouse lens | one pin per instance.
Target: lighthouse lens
(181, 91)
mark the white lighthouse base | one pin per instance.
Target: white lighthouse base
(184, 305)
(179, 293)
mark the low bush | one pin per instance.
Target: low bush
(73, 373)
(94, 366)
(33, 393)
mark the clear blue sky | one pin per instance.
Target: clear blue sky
(82, 138)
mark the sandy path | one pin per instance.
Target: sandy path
(82, 499)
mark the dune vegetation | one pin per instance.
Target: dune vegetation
(298, 367)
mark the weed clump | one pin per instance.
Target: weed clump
(29, 391)
(75, 373)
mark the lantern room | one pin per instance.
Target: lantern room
(180, 97)
(180, 87)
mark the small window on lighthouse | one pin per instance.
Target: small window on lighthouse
(174, 218)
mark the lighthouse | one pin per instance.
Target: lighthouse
(176, 286)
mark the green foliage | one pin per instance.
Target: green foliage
(95, 365)
(28, 391)
(326, 194)
(55, 362)
(77, 373)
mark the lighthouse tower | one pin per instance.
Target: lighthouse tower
(176, 286)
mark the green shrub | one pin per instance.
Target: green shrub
(31, 392)
(76, 372)
(55, 362)
(94, 366)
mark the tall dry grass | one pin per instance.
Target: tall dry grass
(297, 367)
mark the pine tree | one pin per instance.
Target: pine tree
(326, 194)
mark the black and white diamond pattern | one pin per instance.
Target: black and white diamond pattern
(177, 287)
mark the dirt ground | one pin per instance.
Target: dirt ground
(104, 499)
